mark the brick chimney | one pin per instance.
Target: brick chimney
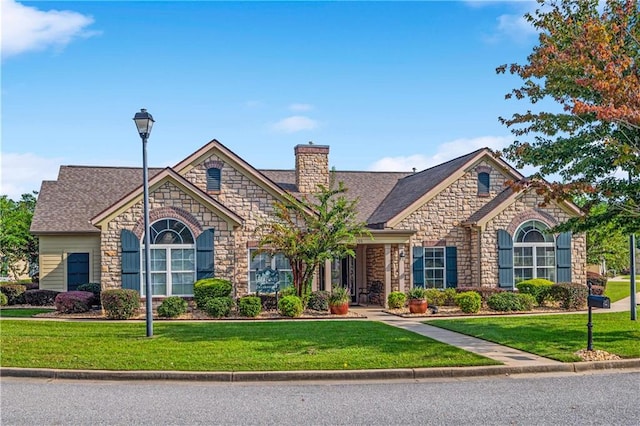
(312, 167)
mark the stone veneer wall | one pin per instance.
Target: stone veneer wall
(525, 208)
(164, 198)
(438, 221)
(312, 167)
(375, 263)
(247, 199)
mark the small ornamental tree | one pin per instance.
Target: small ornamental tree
(18, 247)
(312, 229)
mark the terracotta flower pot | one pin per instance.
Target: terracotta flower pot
(339, 309)
(417, 306)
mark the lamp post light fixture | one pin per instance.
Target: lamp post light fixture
(144, 122)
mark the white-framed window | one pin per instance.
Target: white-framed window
(435, 267)
(172, 260)
(534, 252)
(268, 272)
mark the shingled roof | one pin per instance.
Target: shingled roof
(409, 189)
(81, 192)
(369, 187)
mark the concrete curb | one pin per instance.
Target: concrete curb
(318, 375)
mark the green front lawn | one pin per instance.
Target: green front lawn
(223, 346)
(22, 312)
(618, 290)
(554, 336)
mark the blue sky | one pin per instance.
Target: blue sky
(387, 85)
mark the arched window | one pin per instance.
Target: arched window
(173, 259)
(534, 252)
(484, 183)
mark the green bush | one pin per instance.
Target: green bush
(417, 293)
(436, 297)
(218, 307)
(4, 300)
(319, 301)
(94, 288)
(249, 306)
(73, 302)
(290, 306)
(484, 292)
(210, 287)
(469, 301)
(120, 303)
(539, 288)
(450, 296)
(396, 299)
(172, 307)
(40, 297)
(14, 293)
(510, 301)
(570, 295)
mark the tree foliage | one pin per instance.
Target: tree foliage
(18, 247)
(607, 245)
(310, 230)
(587, 61)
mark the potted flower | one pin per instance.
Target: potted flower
(339, 300)
(417, 300)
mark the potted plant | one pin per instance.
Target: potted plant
(339, 300)
(417, 300)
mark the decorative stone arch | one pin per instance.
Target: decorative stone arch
(170, 213)
(483, 169)
(534, 214)
(213, 164)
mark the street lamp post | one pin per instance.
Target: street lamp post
(144, 122)
(632, 269)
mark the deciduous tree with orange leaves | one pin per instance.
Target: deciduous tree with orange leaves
(587, 61)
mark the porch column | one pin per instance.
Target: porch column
(401, 268)
(327, 275)
(387, 272)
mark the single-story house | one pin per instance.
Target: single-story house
(455, 224)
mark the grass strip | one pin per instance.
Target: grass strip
(223, 346)
(554, 336)
(617, 290)
(22, 312)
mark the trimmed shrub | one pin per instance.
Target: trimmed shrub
(436, 297)
(269, 302)
(396, 299)
(40, 297)
(4, 300)
(597, 290)
(570, 295)
(249, 306)
(539, 288)
(510, 301)
(450, 297)
(218, 307)
(73, 302)
(94, 288)
(30, 286)
(290, 306)
(172, 307)
(596, 279)
(210, 287)
(14, 293)
(319, 301)
(484, 292)
(469, 302)
(120, 303)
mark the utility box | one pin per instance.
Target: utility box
(594, 301)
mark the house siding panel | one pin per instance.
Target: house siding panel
(53, 255)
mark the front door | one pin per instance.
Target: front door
(77, 270)
(343, 273)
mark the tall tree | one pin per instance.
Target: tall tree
(587, 60)
(18, 248)
(313, 229)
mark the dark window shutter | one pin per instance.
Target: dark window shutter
(418, 267)
(130, 260)
(484, 183)
(452, 266)
(563, 258)
(204, 255)
(505, 259)
(213, 179)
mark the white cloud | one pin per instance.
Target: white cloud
(23, 173)
(515, 26)
(300, 107)
(295, 123)
(445, 152)
(27, 29)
